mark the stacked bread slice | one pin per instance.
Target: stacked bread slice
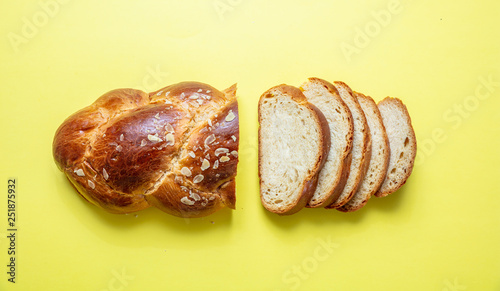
(323, 145)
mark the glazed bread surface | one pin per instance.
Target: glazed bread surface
(175, 148)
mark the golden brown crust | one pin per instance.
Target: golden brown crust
(341, 179)
(129, 145)
(350, 207)
(413, 148)
(365, 150)
(310, 182)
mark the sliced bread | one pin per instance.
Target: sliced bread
(379, 160)
(361, 147)
(333, 176)
(402, 142)
(294, 141)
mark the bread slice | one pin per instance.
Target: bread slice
(361, 147)
(402, 142)
(294, 141)
(333, 176)
(379, 160)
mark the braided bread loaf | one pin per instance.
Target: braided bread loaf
(176, 149)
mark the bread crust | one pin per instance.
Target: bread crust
(384, 191)
(125, 152)
(353, 206)
(365, 152)
(310, 183)
(338, 183)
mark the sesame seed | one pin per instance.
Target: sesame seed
(221, 151)
(186, 171)
(170, 139)
(230, 116)
(205, 165)
(121, 137)
(143, 142)
(169, 127)
(186, 201)
(216, 164)
(91, 184)
(234, 153)
(195, 196)
(79, 172)
(154, 138)
(198, 178)
(210, 139)
(233, 137)
(224, 159)
(105, 174)
(157, 116)
(191, 154)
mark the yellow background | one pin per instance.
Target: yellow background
(441, 231)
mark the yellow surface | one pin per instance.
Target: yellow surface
(440, 232)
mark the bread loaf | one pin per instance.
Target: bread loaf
(176, 149)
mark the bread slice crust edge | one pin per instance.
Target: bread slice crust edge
(311, 181)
